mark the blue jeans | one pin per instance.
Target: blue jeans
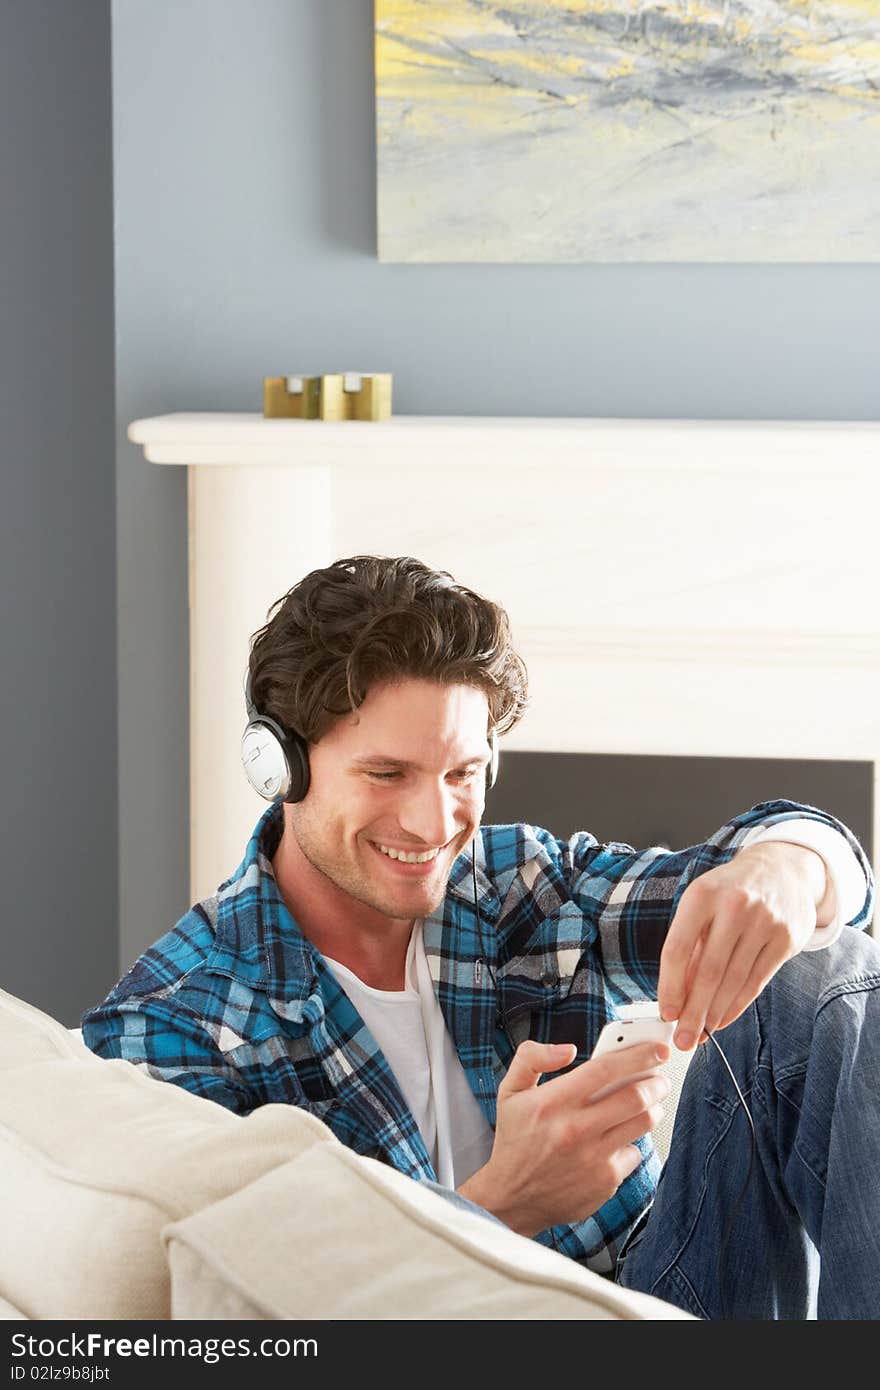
(805, 1241)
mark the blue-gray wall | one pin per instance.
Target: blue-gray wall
(58, 823)
(245, 211)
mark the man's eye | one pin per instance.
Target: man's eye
(383, 776)
(465, 775)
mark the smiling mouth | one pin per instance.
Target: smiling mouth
(411, 863)
(407, 856)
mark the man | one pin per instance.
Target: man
(382, 962)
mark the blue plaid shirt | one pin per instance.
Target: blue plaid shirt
(235, 1004)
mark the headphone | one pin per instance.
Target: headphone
(276, 759)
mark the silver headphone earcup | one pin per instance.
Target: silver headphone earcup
(264, 761)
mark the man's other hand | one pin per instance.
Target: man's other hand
(733, 928)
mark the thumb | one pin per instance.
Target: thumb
(531, 1060)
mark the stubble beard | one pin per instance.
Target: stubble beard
(419, 900)
(354, 881)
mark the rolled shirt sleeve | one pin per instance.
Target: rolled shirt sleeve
(841, 864)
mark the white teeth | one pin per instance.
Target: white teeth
(409, 858)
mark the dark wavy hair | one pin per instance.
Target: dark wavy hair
(370, 619)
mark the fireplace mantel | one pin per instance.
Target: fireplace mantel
(245, 439)
(676, 587)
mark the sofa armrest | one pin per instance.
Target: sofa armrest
(334, 1235)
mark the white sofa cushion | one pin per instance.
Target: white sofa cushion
(97, 1157)
(335, 1235)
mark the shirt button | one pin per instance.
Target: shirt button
(549, 980)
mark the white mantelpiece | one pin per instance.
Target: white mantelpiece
(676, 587)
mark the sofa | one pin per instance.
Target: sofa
(125, 1197)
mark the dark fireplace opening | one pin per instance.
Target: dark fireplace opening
(670, 801)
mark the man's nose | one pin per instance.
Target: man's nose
(432, 813)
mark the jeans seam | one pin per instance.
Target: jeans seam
(802, 1158)
(859, 985)
(678, 1276)
(798, 1149)
(673, 1263)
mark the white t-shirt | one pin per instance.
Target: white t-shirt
(410, 1029)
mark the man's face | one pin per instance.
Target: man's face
(406, 773)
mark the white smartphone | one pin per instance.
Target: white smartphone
(639, 1023)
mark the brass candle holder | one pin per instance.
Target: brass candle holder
(336, 396)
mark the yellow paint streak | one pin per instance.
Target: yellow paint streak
(413, 20)
(856, 94)
(857, 9)
(537, 64)
(394, 58)
(623, 68)
(406, 22)
(847, 46)
(405, 72)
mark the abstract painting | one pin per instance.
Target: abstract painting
(612, 130)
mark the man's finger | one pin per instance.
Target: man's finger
(637, 1106)
(690, 921)
(641, 1122)
(530, 1062)
(721, 939)
(738, 971)
(760, 975)
(579, 1085)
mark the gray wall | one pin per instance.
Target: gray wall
(58, 834)
(245, 211)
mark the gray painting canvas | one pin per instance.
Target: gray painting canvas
(601, 130)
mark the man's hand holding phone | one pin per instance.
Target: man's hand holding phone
(563, 1149)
